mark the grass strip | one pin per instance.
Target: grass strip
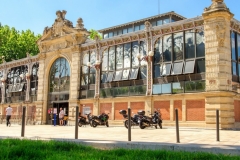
(11, 149)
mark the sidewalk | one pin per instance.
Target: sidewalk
(191, 139)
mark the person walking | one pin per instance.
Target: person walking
(61, 115)
(8, 114)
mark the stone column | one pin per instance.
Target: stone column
(41, 105)
(3, 89)
(28, 79)
(74, 79)
(217, 19)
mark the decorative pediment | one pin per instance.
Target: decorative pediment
(62, 34)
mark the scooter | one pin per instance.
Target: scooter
(155, 120)
(134, 118)
(100, 120)
(85, 121)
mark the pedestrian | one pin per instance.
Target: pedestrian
(61, 116)
(8, 114)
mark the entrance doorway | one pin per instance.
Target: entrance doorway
(54, 108)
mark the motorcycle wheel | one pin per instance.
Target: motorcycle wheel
(79, 124)
(126, 124)
(107, 124)
(141, 125)
(160, 124)
(94, 124)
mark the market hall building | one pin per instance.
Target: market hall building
(163, 62)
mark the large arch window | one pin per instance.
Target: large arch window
(16, 84)
(176, 57)
(59, 80)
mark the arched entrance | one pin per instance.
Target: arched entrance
(59, 85)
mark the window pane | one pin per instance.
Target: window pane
(178, 87)
(127, 53)
(125, 31)
(118, 75)
(177, 68)
(137, 90)
(233, 45)
(238, 43)
(119, 32)
(105, 61)
(85, 59)
(142, 26)
(136, 28)
(85, 69)
(110, 76)
(135, 51)
(110, 34)
(167, 48)
(92, 79)
(121, 91)
(143, 52)
(166, 21)
(189, 44)
(105, 36)
(157, 89)
(84, 80)
(234, 68)
(111, 62)
(115, 33)
(190, 86)
(119, 57)
(200, 86)
(178, 46)
(238, 69)
(154, 23)
(158, 51)
(156, 72)
(189, 66)
(130, 30)
(104, 93)
(134, 73)
(166, 88)
(200, 65)
(159, 23)
(200, 44)
(143, 73)
(165, 69)
(125, 74)
(92, 61)
(104, 77)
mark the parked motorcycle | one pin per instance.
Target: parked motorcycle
(154, 120)
(85, 121)
(100, 120)
(134, 118)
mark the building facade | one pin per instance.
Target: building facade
(163, 62)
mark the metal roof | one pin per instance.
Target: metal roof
(143, 20)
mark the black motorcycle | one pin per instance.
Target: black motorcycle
(85, 121)
(100, 120)
(134, 118)
(154, 120)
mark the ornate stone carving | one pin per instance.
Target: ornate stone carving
(217, 5)
(41, 56)
(220, 31)
(76, 48)
(80, 24)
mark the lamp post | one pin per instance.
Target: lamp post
(146, 57)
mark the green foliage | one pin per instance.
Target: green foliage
(94, 33)
(15, 44)
(52, 150)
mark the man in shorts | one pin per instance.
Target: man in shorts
(8, 115)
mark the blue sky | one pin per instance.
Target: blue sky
(97, 14)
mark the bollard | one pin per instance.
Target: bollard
(217, 124)
(76, 122)
(23, 121)
(177, 126)
(129, 124)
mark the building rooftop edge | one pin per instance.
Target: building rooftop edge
(142, 20)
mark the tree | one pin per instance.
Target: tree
(15, 44)
(94, 33)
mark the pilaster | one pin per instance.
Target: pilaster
(217, 19)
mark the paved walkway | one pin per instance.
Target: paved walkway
(191, 139)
